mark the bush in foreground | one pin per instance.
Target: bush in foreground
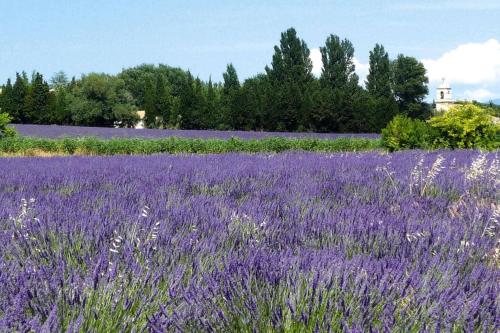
(463, 126)
(403, 132)
(466, 126)
(5, 130)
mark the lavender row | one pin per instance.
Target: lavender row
(296, 242)
(54, 131)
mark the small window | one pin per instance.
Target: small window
(442, 94)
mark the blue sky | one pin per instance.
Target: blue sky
(81, 36)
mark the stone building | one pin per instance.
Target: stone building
(444, 98)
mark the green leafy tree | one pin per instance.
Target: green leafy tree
(101, 100)
(410, 86)
(135, 79)
(290, 75)
(62, 114)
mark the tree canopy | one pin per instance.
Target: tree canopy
(285, 97)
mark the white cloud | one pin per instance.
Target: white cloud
(480, 94)
(316, 61)
(361, 69)
(472, 63)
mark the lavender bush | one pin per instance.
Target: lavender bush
(53, 131)
(301, 242)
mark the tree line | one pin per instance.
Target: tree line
(285, 97)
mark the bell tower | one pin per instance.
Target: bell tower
(444, 100)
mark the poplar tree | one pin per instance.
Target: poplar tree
(291, 76)
(381, 105)
(378, 81)
(339, 87)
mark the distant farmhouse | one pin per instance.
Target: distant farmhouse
(140, 123)
(444, 98)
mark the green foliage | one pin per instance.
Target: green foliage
(19, 92)
(336, 102)
(410, 86)
(290, 76)
(149, 104)
(403, 132)
(59, 80)
(463, 126)
(37, 101)
(174, 145)
(467, 126)
(100, 100)
(381, 106)
(5, 131)
(287, 97)
(230, 99)
(378, 81)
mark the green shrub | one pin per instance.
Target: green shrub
(6, 131)
(466, 126)
(406, 133)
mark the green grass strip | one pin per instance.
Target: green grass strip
(28, 146)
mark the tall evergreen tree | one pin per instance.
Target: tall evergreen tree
(410, 86)
(37, 103)
(186, 104)
(211, 106)
(231, 91)
(291, 76)
(254, 99)
(199, 118)
(163, 101)
(19, 92)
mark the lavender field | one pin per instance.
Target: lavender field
(296, 242)
(54, 131)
